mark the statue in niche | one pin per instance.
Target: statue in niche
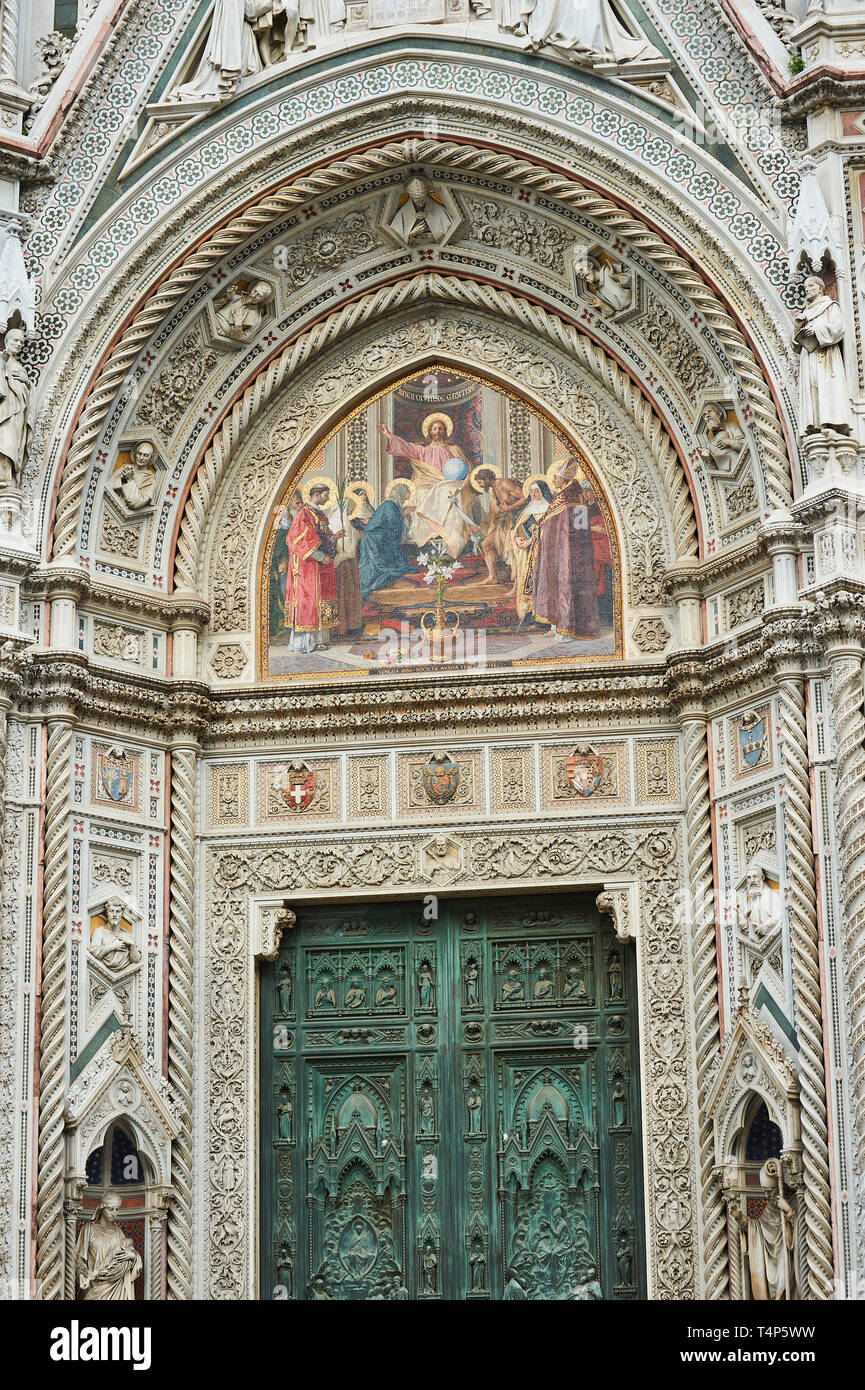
(543, 985)
(824, 396)
(478, 1266)
(614, 977)
(430, 1267)
(241, 309)
(725, 439)
(425, 985)
(325, 994)
(624, 1259)
(106, 1261)
(283, 988)
(475, 1102)
(513, 989)
(426, 1108)
(285, 1268)
(587, 31)
(470, 980)
(767, 1241)
(608, 287)
(355, 995)
(620, 1106)
(759, 918)
(385, 995)
(16, 427)
(111, 941)
(420, 215)
(575, 985)
(136, 480)
(285, 1114)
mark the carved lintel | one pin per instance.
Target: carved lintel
(616, 902)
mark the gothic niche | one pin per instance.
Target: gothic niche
(356, 1192)
(236, 314)
(762, 1208)
(443, 521)
(549, 1182)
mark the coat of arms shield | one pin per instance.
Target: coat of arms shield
(441, 778)
(116, 774)
(296, 783)
(585, 770)
(752, 739)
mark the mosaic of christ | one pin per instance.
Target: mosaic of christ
(445, 520)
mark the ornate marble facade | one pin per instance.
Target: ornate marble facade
(649, 248)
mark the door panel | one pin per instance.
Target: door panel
(451, 1106)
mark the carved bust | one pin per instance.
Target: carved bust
(112, 942)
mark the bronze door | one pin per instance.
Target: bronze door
(451, 1105)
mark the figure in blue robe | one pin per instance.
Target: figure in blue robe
(380, 554)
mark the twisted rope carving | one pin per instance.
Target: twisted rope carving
(302, 189)
(50, 1225)
(806, 973)
(847, 699)
(10, 20)
(181, 1016)
(698, 829)
(338, 325)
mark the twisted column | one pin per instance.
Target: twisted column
(180, 1015)
(845, 668)
(701, 915)
(804, 933)
(50, 1226)
(10, 21)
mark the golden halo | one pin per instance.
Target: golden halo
(490, 466)
(318, 480)
(406, 482)
(430, 420)
(534, 478)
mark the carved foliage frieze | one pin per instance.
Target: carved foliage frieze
(315, 868)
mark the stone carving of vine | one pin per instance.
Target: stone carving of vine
(504, 859)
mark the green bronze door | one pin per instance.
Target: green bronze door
(450, 1107)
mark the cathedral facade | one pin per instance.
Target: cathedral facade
(432, 623)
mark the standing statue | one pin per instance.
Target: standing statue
(588, 31)
(824, 396)
(767, 1241)
(16, 425)
(106, 1262)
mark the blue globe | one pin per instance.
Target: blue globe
(454, 469)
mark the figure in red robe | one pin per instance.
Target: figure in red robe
(311, 607)
(561, 573)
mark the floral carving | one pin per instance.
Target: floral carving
(188, 367)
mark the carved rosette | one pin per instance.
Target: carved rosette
(513, 860)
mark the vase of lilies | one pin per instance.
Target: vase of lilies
(439, 569)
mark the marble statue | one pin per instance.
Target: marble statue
(240, 311)
(767, 1240)
(824, 396)
(111, 943)
(248, 36)
(724, 438)
(16, 425)
(136, 480)
(420, 215)
(586, 30)
(608, 286)
(107, 1263)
